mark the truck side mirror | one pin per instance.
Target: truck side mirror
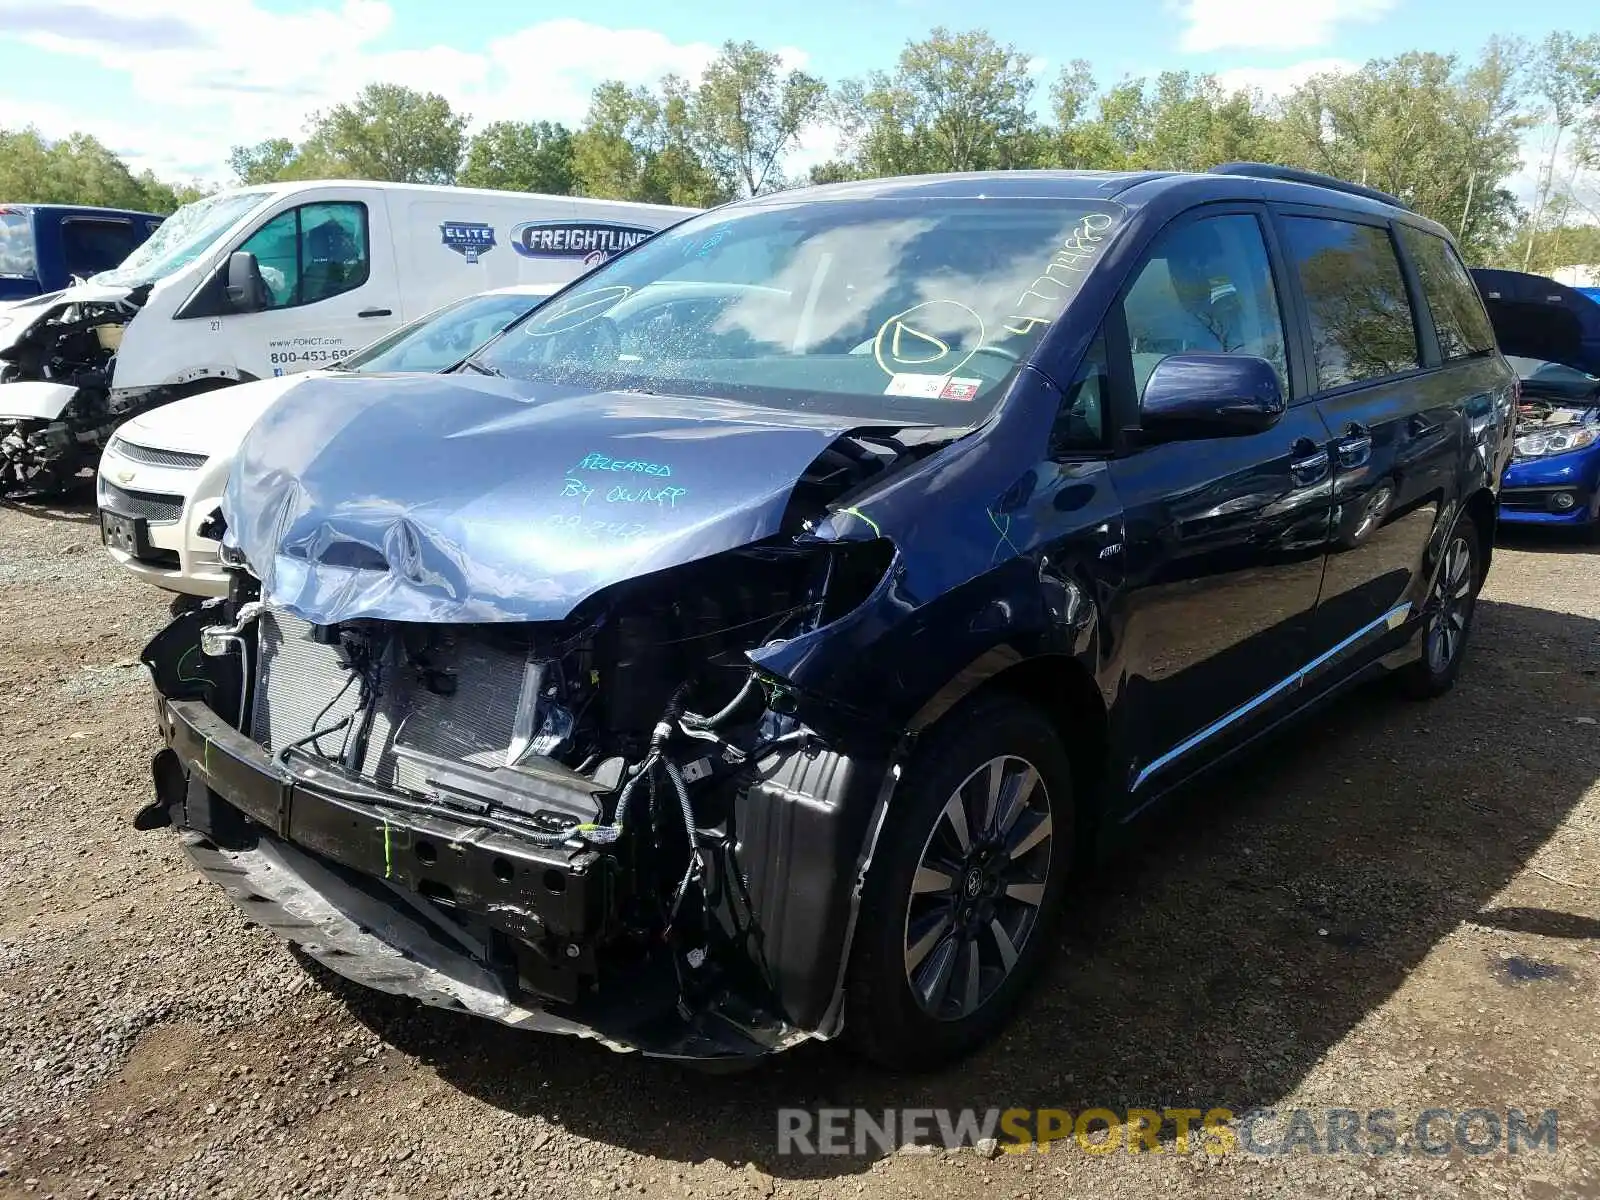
(247, 291)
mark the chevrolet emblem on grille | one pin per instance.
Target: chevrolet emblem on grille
(124, 476)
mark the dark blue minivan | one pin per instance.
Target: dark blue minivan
(750, 644)
(44, 246)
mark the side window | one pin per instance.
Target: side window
(1458, 314)
(1207, 288)
(1361, 322)
(1081, 421)
(312, 253)
(89, 246)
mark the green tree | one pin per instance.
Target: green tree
(747, 113)
(388, 132)
(1564, 242)
(955, 102)
(835, 170)
(1566, 79)
(79, 170)
(531, 156)
(639, 144)
(1442, 138)
(265, 162)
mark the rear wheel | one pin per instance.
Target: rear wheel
(1447, 616)
(964, 888)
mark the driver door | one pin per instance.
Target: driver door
(328, 264)
(1225, 537)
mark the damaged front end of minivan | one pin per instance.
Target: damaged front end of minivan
(57, 405)
(517, 729)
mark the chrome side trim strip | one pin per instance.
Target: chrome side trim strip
(1390, 620)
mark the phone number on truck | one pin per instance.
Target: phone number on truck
(284, 357)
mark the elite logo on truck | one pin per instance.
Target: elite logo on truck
(592, 241)
(470, 239)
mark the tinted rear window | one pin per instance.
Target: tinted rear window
(1458, 313)
(1361, 322)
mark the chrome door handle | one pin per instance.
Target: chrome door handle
(1354, 451)
(1355, 447)
(1309, 468)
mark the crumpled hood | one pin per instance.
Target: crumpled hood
(465, 499)
(211, 423)
(23, 315)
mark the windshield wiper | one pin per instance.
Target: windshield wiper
(482, 368)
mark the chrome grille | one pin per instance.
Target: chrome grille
(298, 678)
(151, 456)
(156, 507)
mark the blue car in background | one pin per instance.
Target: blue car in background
(43, 246)
(1550, 334)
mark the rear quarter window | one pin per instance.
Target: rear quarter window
(1458, 313)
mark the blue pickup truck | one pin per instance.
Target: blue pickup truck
(42, 246)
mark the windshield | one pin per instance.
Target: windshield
(16, 245)
(901, 310)
(443, 337)
(182, 238)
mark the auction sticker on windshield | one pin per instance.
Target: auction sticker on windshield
(925, 387)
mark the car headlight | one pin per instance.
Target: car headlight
(1555, 441)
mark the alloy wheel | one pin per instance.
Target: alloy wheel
(1451, 605)
(978, 888)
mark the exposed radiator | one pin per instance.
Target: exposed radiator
(477, 723)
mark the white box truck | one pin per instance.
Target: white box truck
(261, 281)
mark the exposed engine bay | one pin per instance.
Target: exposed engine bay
(74, 346)
(612, 824)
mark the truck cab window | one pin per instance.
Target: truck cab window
(1206, 289)
(312, 253)
(89, 246)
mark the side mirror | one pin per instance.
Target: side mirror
(1194, 396)
(246, 289)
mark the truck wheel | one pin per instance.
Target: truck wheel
(964, 887)
(1446, 616)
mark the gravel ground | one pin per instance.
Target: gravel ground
(1395, 908)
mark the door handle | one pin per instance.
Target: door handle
(1310, 464)
(376, 312)
(1419, 426)
(1355, 447)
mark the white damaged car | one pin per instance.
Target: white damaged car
(160, 480)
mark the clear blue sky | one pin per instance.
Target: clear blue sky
(173, 83)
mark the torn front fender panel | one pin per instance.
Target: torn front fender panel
(446, 499)
(34, 400)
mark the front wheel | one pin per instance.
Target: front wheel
(964, 888)
(1447, 616)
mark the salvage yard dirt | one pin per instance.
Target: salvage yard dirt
(1395, 907)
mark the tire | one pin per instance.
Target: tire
(904, 935)
(1447, 616)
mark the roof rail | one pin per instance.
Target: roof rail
(1255, 170)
